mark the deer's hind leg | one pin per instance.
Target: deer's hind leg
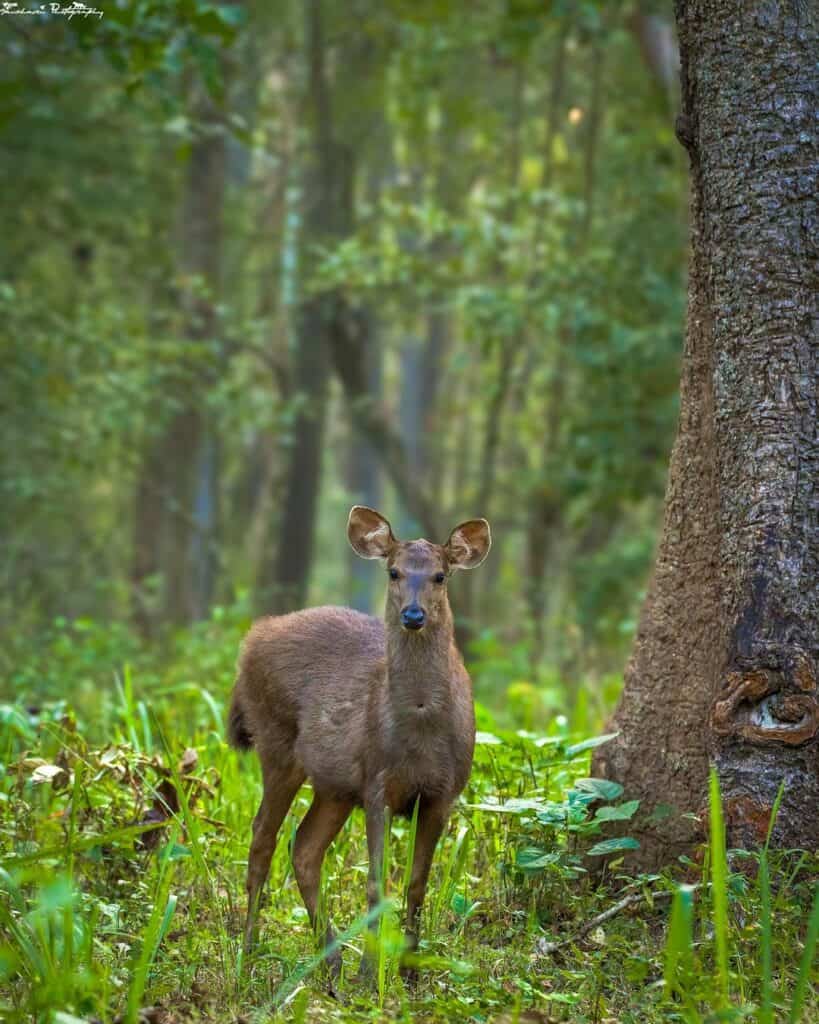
(281, 783)
(320, 826)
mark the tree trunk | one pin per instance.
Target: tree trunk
(287, 588)
(420, 370)
(655, 37)
(436, 349)
(724, 666)
(148, 522)
(555, 103)
(364, 476)
(411, 423)
(545, 523)
(176, 511)
(283, 583)
(349, 339)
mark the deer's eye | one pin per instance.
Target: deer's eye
(393, 574)
(439, 577)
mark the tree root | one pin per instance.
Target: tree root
(547, 948)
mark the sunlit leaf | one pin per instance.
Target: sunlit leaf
(620, 812)
(617, 845)
(590, 744)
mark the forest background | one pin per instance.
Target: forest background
(265, 260)
(261, 264)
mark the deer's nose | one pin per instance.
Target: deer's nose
(412, 617)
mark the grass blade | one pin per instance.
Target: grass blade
(766, 1007)
(806, 962)
(774, 813)
(719, 888)
(453, 868)
(287, 987)
(413, 831)
(382, 881)
(164, 906)
(679, 947)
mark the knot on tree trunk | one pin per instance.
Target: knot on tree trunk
(749, 817)
(684, 130)
(776, 703)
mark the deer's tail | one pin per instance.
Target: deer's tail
(238, 733)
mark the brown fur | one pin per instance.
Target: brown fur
(371, 713)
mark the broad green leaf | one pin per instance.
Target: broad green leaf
(605, 789)
(462, 906)
(533, 858)
(174, 851)
(617, 845)
(622, 812)
(514, 806)
(590, 744)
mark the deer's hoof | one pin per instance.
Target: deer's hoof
(409, 972)
(367, 971)
(334, 965)
(409, 975)
(334, 992)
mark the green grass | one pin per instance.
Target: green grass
(698, 979)
(719, 888)
(96, 924)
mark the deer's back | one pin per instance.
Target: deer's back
(295, 658)
(306, 682)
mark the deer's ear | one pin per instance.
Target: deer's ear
(468, 544)
(369, 533)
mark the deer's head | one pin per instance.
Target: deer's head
(417, 570)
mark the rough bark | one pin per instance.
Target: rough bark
(724, 666)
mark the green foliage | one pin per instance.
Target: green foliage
(155, 931)
(98, 919)
(551, 250)
(703, 995)
(520, 234)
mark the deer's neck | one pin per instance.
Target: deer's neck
(419, 666)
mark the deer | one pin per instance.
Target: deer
(376, 714)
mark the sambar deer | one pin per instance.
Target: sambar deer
(375, 714)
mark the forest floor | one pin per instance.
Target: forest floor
(123, 835)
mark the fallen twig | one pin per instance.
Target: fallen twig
(546, 948)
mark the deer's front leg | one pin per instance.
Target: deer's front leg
(376, 817)
(432, 818)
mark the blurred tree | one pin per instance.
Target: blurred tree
(364, 476)
(176, 517)
(725, 662)
(328, 216)
(200, 318)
